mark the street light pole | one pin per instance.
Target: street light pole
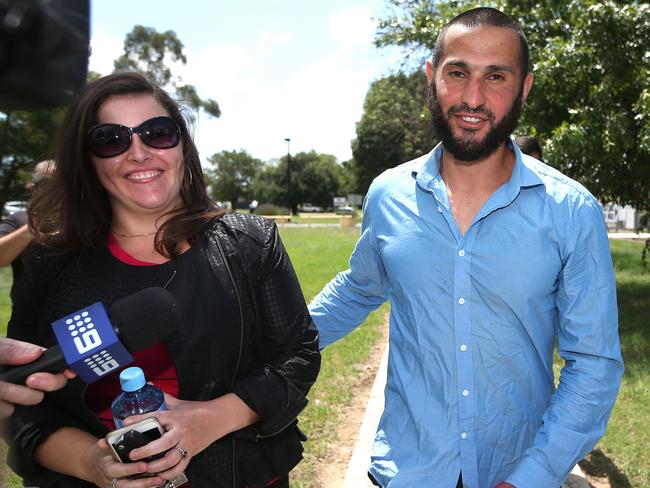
(289, 200)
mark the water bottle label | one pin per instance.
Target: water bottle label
(119, 423)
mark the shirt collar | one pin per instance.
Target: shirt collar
(426, 170)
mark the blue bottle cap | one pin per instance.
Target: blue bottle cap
(132, 379)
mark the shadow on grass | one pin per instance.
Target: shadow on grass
(597, 464)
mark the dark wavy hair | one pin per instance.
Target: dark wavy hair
(73, 211)
(529, 145)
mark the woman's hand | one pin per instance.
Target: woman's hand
(108, 470)
(191, 426)
(80, 454)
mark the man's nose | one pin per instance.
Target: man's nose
(474, 94)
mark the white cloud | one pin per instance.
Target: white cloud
(353, 26)
(224, 73)
(216, 69)
(327, 101)
(271, 39)
(317, 105)
(317, 108)
(104, 50)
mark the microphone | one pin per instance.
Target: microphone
(94, 341)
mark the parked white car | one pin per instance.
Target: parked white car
(309, 208)
(345, 210)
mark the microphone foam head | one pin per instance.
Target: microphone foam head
(145, 318)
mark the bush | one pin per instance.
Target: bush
(270, 209)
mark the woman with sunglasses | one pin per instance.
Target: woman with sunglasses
(128, 209)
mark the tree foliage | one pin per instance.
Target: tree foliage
(315, 178)
(394, 127)
(591, 101)
(232, 175)
(151, 52)
(25, 139)
(154, 54)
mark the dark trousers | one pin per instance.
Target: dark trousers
(376, 483)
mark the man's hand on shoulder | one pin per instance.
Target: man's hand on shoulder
(503, 484)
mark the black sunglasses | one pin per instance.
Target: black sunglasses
(108, 140)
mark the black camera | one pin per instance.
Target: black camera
(44, 49)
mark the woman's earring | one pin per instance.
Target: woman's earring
(190, 172)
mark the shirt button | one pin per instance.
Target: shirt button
(461, 300)
(461, 253)
(463, 435)
(465, 392)
(463, 347)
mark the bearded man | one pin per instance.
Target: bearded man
(488, 257)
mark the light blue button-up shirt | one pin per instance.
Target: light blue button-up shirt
(473, 323)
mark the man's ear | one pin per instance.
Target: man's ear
(528, 84)
(430, 71)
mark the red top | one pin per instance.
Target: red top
(156, 362)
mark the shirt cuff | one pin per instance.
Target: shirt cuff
(530, 474)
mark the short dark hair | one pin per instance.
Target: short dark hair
(485, 16)
(75, 211)
(529, 144)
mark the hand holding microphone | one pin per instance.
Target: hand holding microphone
(17, 352)
(95, 341)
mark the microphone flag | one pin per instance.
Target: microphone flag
(89, 343)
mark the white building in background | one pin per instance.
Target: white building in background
(618, 217)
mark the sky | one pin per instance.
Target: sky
(279, 69)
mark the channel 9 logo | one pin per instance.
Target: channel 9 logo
(102, 363)
(82, 330)
(89, 343)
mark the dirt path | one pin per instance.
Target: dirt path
(332, 473)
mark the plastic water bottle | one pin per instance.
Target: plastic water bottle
(137, 396)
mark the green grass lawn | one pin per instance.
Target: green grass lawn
(623, 454)
(5, 302)
(318, 253)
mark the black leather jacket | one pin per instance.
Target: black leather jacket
(246, 330)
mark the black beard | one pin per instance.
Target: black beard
(467, 149)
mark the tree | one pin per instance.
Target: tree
(271, 184)
(152, 53)
(394, 126)
(233, 175)
(315, 178)
(25, 139)
(591, 99)
(348, 180)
